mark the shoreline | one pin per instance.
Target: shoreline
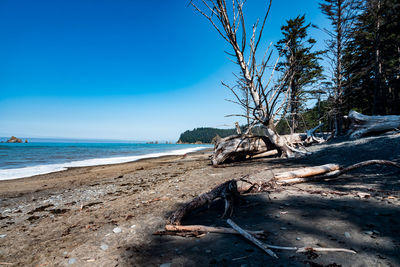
(85, 174)
(32, 171)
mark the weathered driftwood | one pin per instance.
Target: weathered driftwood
(336, 173)
(267, 248)
(209, 229)
(225, 191)
(362, 125)
(238, 147)
(309, 171)
(251, 238)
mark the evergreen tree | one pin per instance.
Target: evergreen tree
(300, 63)
(341, 14)
(372, 61)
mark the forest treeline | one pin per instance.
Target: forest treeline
(362, 50)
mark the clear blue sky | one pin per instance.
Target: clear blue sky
(141, 70)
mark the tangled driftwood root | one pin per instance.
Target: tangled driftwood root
(229, 191)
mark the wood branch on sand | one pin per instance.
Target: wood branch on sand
(362, 125)
(267, 248)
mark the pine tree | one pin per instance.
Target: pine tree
(300, 62)
(341, 14)
(372, 61)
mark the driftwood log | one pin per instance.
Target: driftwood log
(239, 147)
(361, 125)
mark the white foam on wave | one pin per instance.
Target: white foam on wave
(8, 174)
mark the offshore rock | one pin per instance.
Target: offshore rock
(14, 139)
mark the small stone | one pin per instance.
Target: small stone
(117, 230)
(168, 264)
(3, 235)
(65, 253)
(72, 261)
(298, 238)
(347, 234)
(368, 232)
(133, 226)
(104, 247)
(208, 251)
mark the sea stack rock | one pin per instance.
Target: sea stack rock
(14, 139)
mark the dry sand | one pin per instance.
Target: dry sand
(106, 215)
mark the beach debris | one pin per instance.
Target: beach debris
(251, 238)
(347, 235)
(267, 248)
(3, 235)
(117, 230)
(298, 238)
(103, 246)
(368, 232)
(71, 261)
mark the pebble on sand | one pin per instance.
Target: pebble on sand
(104, 247)
(117, 230)
(72, 261)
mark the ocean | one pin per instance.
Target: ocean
(43, 156)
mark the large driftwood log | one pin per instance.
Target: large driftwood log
(362, 125)
(237, 147)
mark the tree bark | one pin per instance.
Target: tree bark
(362, 125)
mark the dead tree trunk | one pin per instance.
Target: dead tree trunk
(362, 125)
(238, 147)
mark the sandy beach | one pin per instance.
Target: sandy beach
(106, 215)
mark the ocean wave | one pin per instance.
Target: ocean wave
(8, 174)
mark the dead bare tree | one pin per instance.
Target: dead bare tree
(267, 100)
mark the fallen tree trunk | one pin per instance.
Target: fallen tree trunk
(237, 147)
(362, 125)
